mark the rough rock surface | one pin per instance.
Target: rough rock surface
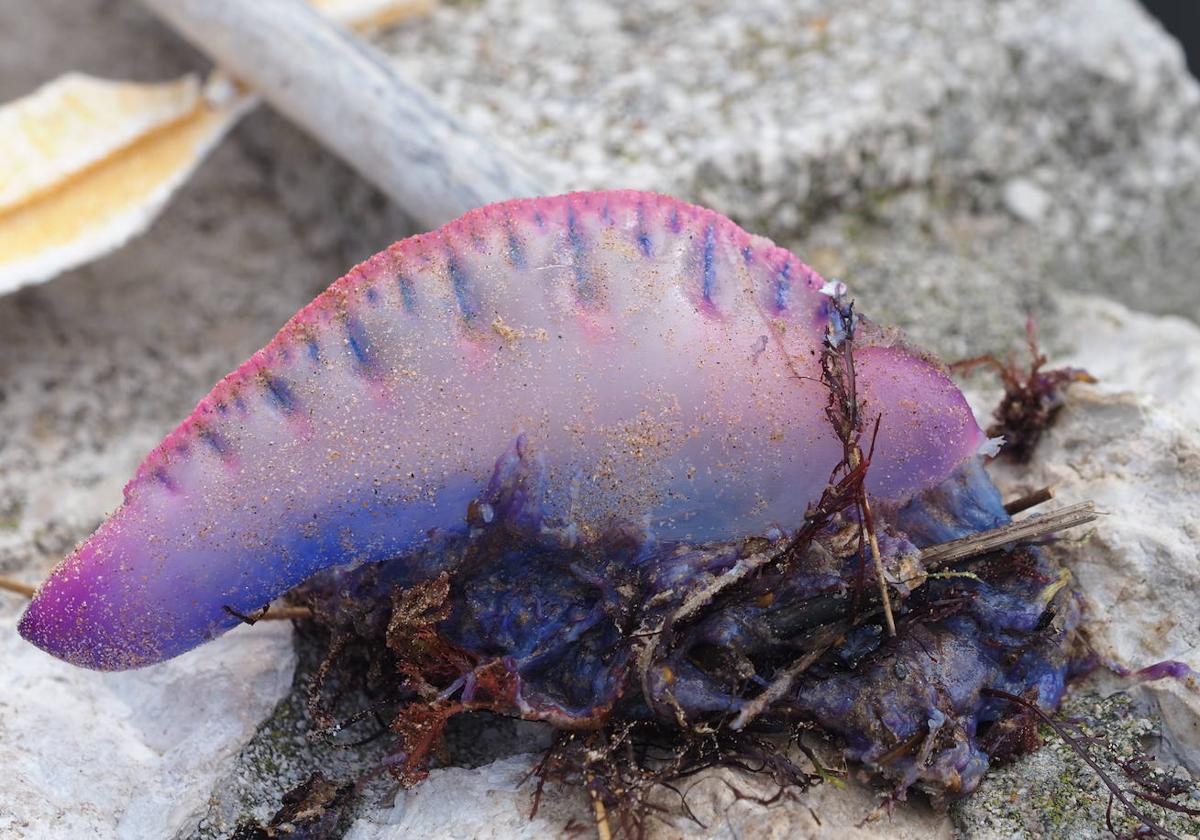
(1158, 358)
(953, 166)
(1132, 444)
(1028, 143)
(132, 755)
(1053, 794)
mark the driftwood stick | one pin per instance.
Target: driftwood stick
(1026, 530)
(346, 94)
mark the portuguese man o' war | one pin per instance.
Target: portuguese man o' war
(583, 406)
(620, 333)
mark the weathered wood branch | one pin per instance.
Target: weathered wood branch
(348, 96)
(943, 554)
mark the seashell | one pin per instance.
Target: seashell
(89, 163)
(658, 362)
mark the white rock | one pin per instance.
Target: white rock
(491, 803)
(1140, 567)
(484, 802)
(1132, 444)
(1157, 357)
(1026, 200)
(129, 755)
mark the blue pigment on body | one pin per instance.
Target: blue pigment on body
(557, 610)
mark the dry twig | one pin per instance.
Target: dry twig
(16, 586)
(1027, 530)
(1030, 500)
